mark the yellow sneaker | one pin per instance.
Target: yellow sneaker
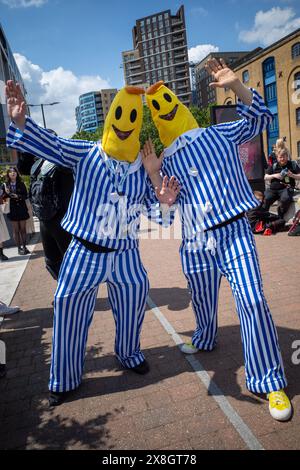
(279, 405)
(189, 348)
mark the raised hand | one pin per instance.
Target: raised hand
(151, 163)
(223, 76)
(16, 105)
(169, 191)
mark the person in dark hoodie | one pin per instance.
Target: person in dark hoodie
(50, 192)
(262, 221)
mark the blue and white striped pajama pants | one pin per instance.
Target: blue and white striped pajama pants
(230, 251)
(81, 273)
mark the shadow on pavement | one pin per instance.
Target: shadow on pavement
(227, 358)
(26, 420)
(176, 298)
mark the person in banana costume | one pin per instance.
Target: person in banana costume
(111, 188)
(217, 238)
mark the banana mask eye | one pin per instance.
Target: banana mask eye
(133, 115)
(118, 112)
(167, 97)
(156, 105)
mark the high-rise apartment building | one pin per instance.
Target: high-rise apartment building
(160, 53)
(89, 113)
(107, 97)
(93, 108)
(8, 71)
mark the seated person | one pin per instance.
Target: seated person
(261, 220)
(283, 176)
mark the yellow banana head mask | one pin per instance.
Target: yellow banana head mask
(123, 125)
(170, 116)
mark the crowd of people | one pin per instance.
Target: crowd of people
(81, 253)
(281, 178)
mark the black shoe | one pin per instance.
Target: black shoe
(57, 398)
(141, 369)
(25, 251)
(2, 370)
(21, 251)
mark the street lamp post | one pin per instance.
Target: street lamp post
(42, 108)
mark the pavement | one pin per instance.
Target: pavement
(185, 402)
(12, 271)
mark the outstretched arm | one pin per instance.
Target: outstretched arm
(26, 136)
(250, 106)
(152, 163)
(159, 189)
(166, 190)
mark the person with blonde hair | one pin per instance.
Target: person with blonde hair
(282, 176)
(281, 145)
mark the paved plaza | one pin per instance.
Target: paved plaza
(197, 402)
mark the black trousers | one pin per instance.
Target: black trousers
(55, 242)
(284, 196)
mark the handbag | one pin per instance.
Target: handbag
(5, 206)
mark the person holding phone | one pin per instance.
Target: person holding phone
(15, 189)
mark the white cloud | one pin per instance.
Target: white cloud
(56, 85)
(199, 11)
(23, 3)
(270, 26)
(198, 53)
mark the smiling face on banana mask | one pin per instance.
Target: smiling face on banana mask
(123, 125)
(170, 116)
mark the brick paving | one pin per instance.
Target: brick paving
(170, 408)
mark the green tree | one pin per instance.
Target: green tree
(149, 131)
(92, 136)
(202, 115)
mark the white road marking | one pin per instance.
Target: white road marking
(216, 393)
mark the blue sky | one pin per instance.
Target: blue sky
(78, 43)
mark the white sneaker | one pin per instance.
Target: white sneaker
(189, 348)
(279, 405)
(5, 310)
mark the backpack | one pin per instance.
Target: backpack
(43, 192)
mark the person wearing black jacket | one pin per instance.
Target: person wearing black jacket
(283, 176)
(54, 238)
(16, 191)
